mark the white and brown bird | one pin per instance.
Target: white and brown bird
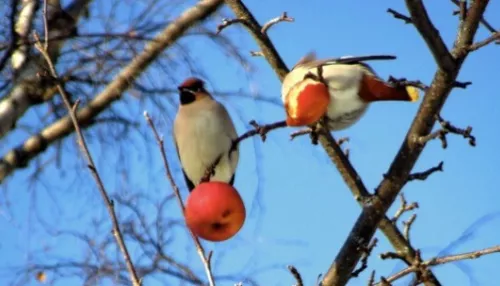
(342, 89)
(203, 131)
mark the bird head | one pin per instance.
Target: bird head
(191, 90)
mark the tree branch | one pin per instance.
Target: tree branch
(441, 260)
(88, 157)
(422, 22)
(327, 141)
(423, 175)
(205, 259)
(399, 16)
(434, 99)
(487, 41)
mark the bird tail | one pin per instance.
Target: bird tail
(374, 89)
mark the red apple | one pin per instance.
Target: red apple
(215, 211)
(306, 102)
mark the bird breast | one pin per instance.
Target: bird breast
(346, 107)
(202, 135)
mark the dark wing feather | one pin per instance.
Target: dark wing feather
(189, 183)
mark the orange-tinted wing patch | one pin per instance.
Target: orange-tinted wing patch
(373, 89)
(306, 103)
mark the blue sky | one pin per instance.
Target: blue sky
(299, 209)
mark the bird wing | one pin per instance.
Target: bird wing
(189, 183)
(310, 61)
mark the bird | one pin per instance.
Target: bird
(337, 89)
(204, 131)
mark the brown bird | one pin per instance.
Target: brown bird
(203, 131)
(342, 89)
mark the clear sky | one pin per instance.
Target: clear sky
(299, 209)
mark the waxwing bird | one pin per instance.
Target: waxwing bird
(341, 89)
(203, 131)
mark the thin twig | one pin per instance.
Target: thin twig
(90, 164)
(206, 260)
(400, 16)
(283, 18)
(228, 22)
(485, 42)
(462, 84)
(296, 275)
(423, 175)
(405, 207)
(430, 34)
(407, 226)
(371, 280)
(442, 260)
(485, 23)
(447, 127)
(45, 26)
(85, 151)
(260, 130)
(404, 82)
(367, 251)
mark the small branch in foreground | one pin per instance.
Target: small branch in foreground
(404, 82)
(405, 207)
(407, 227)
(371, 280)
(447, 127)
(423, 175)
(43, 49)
(296, 275)
(442, 260)
(364, 258)
(206, 260)
(487, 41)
(485, 23)
(460, 84)
(228, 22)
(399, 16)
(260, 130)
(283, 18)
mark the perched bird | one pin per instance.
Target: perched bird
(341, 89)
(203, 131)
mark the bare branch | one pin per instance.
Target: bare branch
(423, 23)
(367, 251)
(260, 130)
(485, 42)
(205, 259)
(296, 275)
(442, 260)
(92, 168)
(404, 82)
(371, 280)
(283, 18)
(405, 207)
(335, 153)
(423, 175)
(485, 23)
(407, 226)
(228, 22)
(400, 16)
(447, 127)
(462, 85)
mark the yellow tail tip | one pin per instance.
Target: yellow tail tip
(413, 92)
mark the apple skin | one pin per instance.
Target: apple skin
(306, 102)
(215, 211)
